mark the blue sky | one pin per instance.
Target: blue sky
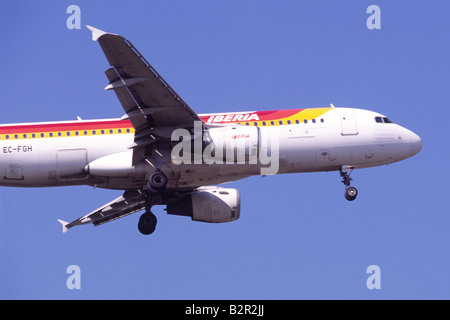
(297, 237)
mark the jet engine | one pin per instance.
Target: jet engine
(209, 204)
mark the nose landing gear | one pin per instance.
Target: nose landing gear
(350, 192)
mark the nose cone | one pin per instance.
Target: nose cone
(415, 143)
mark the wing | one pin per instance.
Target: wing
(130, 202)
(151, 105)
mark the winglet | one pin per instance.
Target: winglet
(96, 33)
(64, 225)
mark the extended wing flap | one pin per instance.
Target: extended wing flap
(130, 202)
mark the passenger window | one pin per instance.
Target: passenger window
(272, 123)
(280, 122)
(289, 122)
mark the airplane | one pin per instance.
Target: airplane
(163, 153)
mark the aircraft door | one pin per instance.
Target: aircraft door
(301, 148)
(348, 122)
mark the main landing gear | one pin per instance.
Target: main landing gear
(156, 184)
(147, 223)
(350, 192)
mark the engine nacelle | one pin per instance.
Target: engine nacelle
(209, 204)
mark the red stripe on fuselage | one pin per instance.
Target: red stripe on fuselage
(66, 126)
(116, 124)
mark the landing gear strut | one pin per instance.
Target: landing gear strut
(350, 192)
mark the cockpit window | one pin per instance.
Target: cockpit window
(382, 120)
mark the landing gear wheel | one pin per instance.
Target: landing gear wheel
(351, 193)
(157, 181)
(147, 223)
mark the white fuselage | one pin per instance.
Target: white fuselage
(97, 152)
